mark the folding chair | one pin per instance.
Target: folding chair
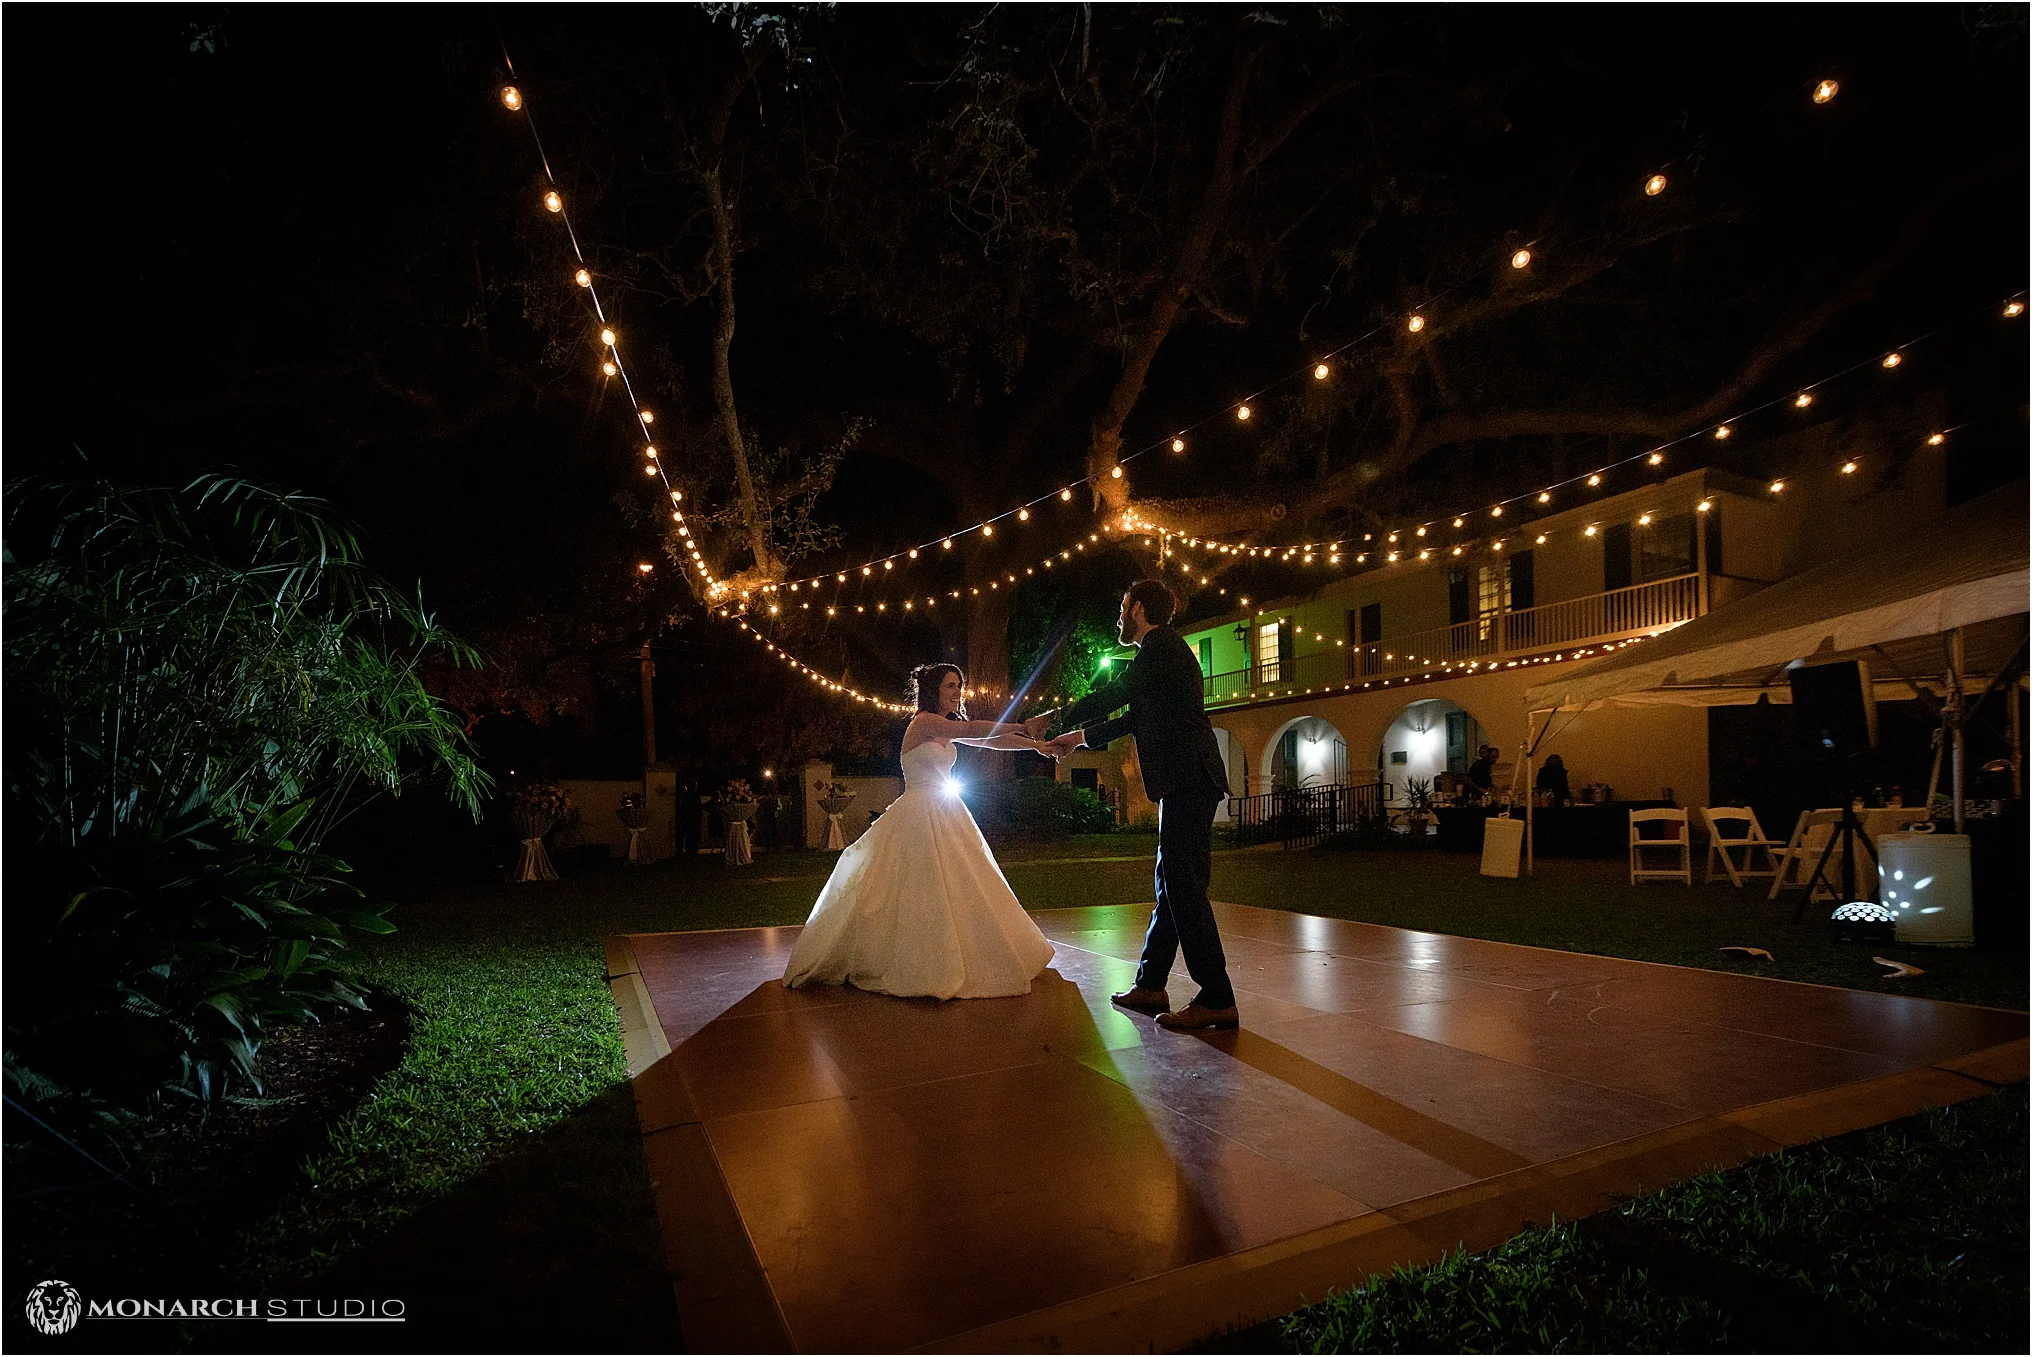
(1720, 844)
(1675, 841)
(1795, 861)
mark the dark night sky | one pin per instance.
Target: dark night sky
(291, 240)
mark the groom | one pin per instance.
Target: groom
(1183, 774)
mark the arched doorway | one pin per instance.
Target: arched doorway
(1428, 738)
(1307, 751)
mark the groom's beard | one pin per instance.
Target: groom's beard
(1127, 635)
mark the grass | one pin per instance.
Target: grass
(495, 1177)
(1907, 1237)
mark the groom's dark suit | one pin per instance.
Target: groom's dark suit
(1183, 774)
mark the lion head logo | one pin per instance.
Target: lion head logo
(54, 1307)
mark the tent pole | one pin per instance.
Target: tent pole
(1530, 792)
(2014, 724)
(1955, 663)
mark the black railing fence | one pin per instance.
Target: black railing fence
(1303, 816)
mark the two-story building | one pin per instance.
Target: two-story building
(1397, 669)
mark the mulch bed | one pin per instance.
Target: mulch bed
(200, 1179)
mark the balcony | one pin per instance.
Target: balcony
(1617, 615)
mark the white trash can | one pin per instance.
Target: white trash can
(1924, 881)
(1502, 845)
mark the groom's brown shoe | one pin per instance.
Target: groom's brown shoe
(1140, 1000)
(1194, 1018)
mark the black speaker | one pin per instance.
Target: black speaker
(1834, 714)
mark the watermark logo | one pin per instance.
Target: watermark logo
(54, 1307)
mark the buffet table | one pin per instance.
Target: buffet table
(1598, 829)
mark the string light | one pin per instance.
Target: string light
(607, 338)
(583, 278)
(1654, 186)
(1242, 412)
(552, 201)
(1655, 458)
(1936, 440)
(1701, 507)
(1415, 324)
(1848, 468)
(1803, 399)
(1722, 432)
(646, 417)
(1892, 360)
(1776, 486)
(1319, 372)
(1594, 480)
(1545, 497)
(609, 369)
(1520, 259)
(511, 98)
(1826, 90)
(2012, 310)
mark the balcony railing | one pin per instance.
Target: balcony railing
(1612, 616)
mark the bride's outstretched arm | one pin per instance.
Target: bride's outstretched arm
(1012, 738)
(974, 732)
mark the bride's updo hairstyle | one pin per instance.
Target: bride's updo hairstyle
(924, 685)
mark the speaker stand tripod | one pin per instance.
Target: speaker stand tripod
(1847, 832)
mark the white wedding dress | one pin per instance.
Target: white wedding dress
(917, 905)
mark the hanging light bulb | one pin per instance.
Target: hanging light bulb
(609, 369)
(1892, 360)
(1319, 371)
(1590, 532)
(2012, 310)
(1803, 399)
(648, 418)
(1242, 412)
(1520, 259)
(1848, 468)
(649, 470)
(1541, 539)
(1065, 493)
(1656, 458)
(1595, 479)
(987, 530)
(947, 544)
(1115, 474)
(1643, 520)
(651, 450)
(1776, 486)
(1655, 185)
(1826, 90)
(1704, 505)
(1496, 512)
(1722, 432)
(1415, 324)
(645, 567)
(607, 338)
(1935, 440)
(511, 98)
(583, 278)
(552, 201)
(1545, 497)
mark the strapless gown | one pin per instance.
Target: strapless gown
(918, 906)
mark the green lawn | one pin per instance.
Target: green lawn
(495, 1176)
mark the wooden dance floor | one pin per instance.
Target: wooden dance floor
(839, 1171)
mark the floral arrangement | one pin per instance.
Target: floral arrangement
(830, 791)
(737, 790)
(539, 807)
(634, 811)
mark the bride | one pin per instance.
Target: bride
(917, 905)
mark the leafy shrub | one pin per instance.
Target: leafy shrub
(201, 683)
(1029, 808)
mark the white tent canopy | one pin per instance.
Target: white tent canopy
(1967, 567)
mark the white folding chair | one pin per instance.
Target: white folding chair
(1751, 838)
(1673, 841)
(1802, 850)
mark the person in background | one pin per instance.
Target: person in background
(1552, 778)
(1482, 772)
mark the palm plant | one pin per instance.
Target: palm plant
(201, 683)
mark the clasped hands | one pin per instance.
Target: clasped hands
(1056, 748)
